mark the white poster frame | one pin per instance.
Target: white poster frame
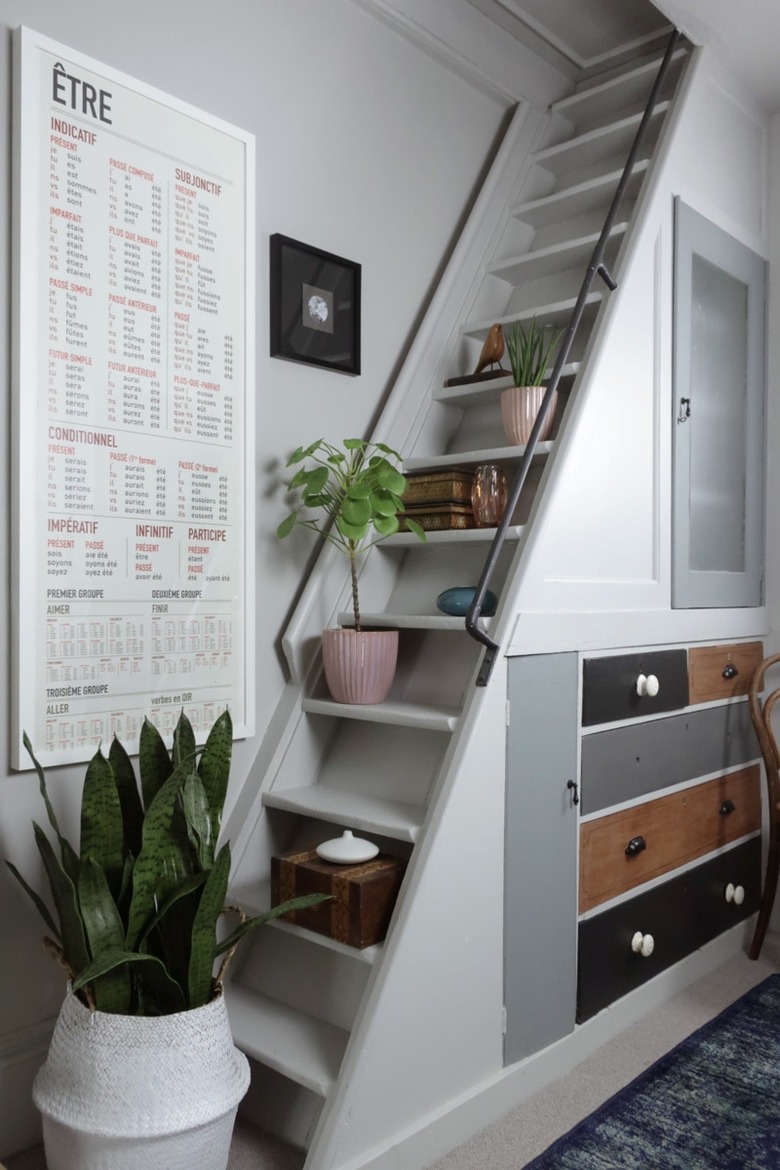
(30, 686)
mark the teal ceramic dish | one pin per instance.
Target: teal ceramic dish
(456, 601)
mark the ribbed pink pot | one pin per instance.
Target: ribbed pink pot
(359, 666)
(519, 408)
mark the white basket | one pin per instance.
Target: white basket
(125, 1092)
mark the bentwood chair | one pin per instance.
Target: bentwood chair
(761, 714)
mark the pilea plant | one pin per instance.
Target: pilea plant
(136, 909)
(359, 492)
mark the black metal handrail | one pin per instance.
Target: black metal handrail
(595, 267)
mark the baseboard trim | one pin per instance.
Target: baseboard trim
(460, 1119)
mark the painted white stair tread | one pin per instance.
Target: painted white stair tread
(300, 1047)
(555, 312)
(488, 392)
(554, 259)
(459, 458)
(427, 717)
(409, 621)
(593, 194)
(451, 536)
(371, 814)
(595, 146)
(601, 100)
(256, 899)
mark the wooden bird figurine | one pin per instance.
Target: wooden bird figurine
(492, 350)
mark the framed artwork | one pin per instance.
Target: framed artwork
(315, 306)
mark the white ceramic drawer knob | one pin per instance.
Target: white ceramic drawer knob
(643, 944)
(647, 684)
(735, 894)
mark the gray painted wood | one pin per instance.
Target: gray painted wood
(718, 424)
(627, 762)
(541, 853)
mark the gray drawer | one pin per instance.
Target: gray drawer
(624, 763)
(609, 685)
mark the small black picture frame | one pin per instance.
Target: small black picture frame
(315, 306)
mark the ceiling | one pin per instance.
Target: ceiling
(584, 34)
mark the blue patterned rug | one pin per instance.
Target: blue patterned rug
(712, 1103)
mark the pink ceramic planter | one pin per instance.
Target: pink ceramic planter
(359, 666)
(519, 408)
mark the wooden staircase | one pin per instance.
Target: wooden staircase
(312, 1013)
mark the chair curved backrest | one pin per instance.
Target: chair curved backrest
(761, 715)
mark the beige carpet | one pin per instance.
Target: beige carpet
(517, 1138)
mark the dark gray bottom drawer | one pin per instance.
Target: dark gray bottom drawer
(682, 915)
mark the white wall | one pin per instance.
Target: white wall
(366, 146)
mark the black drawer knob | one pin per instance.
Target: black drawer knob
(730, 671)
(727, 807)
(635, 846)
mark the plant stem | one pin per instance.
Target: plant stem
(355, 601)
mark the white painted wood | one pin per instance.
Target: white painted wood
(452, 537)
(306, 1050)
(399, 714)
(626, 90)
(555, 312)
(596, 146)
(557, 257)
(373, 815)
(406, 621)
(581, 198)
(472, 458)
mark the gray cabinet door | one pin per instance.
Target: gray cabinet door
(540, 938)
(718, 424)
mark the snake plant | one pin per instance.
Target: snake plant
(529, 348)
(136, 909)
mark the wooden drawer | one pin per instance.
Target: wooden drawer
(624, 763)
(722, 672)
(681, 914)
(609, 685)
(625, 849)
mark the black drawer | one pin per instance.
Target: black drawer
(609, 685)
(682, 915)
(624, 763)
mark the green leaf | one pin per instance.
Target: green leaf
(214, 768)
(102, 830)
(386, 525)
(355, 532)
(301, 903)
(204, 930)
(286, 526)
(414, 527)
(43, 909)
(70, 859)
(317, 479)
(355, 444)
(129, 798)
(196, 814)
(154, 762)
(391, 479)
(166, 990)
(185, 887)
(105, 933)
(184, 746)
(384, 503)
(356, 512)
(164, 858)
(63, 892)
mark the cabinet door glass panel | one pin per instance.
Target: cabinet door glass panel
(718, 452)
(718, 440)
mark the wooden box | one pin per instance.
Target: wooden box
(439, 517)
(363, 895)
(439, 487)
